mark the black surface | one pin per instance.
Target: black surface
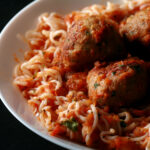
(13, 135)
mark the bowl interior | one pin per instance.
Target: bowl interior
(10, 46)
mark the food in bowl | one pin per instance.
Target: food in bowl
(84, 81)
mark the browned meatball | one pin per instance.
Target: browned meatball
(92, 38)
(120, 83)
(136, 30)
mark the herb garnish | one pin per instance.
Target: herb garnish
(35, 74)
(43, 52)
(72, 124)
(113, 73)
(96, 85)
(113, 93)
(100, 101)
(137, 68)
(74, 99)
(131, 33)
(87, 32)
(122, 124)
(121, 66)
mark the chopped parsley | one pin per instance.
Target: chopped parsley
(87, 32)
(43, 65)
(35, 74)
(113, 93)
(122, 124)
(87, 47)
(131, 33)
(72, 124)
(96, 85)
(137, 68)
(113, 73)
(121, 66)
(100, 101)
(43, 52)
(74, 99)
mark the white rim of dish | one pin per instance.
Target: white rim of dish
(46, 137)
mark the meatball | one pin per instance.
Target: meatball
(118, 84)
(136, 31)
(92, 38)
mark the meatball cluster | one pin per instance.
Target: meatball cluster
(122, 80)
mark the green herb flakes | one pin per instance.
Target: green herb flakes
(96, 85)
(113, 93)
(43, 52)
(137, 68)
(100, 101)
(87, 32)
(74, 99)
(121, 66)
(122, 124)
(35, 74)
(113, 73)
(72, 124)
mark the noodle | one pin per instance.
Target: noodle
(69, 110)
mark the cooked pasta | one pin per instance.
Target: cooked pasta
(59, 93)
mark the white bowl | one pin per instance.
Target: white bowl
(25, 20)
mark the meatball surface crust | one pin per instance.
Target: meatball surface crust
(92, 38)
(118, 84)
(136, 30)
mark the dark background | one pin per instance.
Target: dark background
(13, 135)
